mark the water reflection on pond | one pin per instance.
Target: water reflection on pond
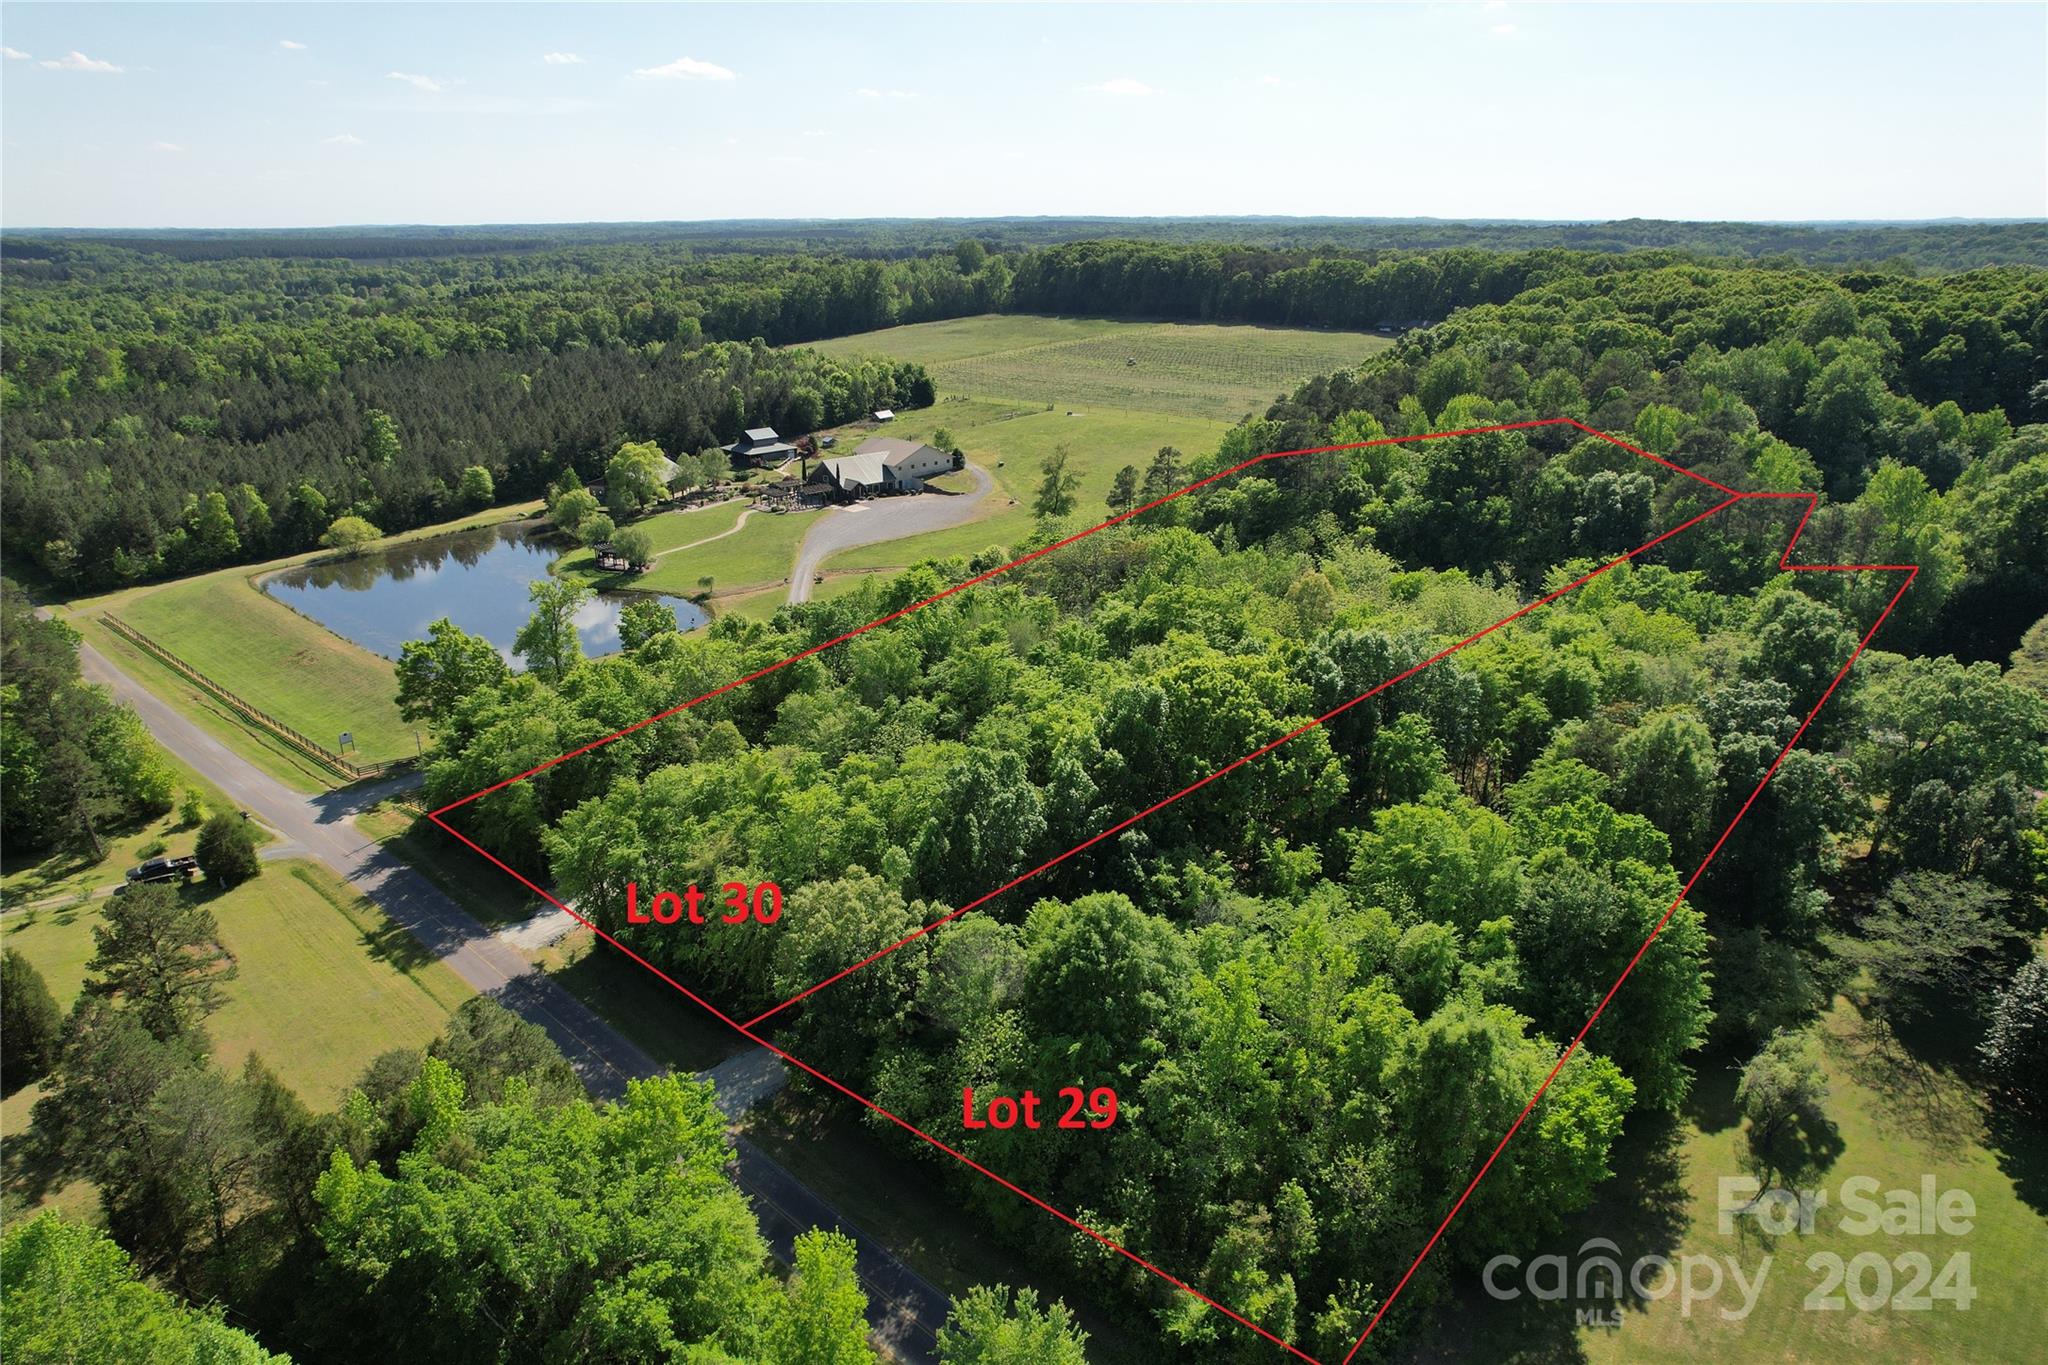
(477, 579)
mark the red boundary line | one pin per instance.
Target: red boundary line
(747, 1029)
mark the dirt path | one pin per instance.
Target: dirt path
(732, 530)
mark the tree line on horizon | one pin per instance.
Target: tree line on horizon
(253, 401)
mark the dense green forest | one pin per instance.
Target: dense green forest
(1322, 986)
(163, 414)
(1928, 246)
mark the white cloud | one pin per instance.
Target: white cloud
(868, 92)
(78, 61)
(343, 140)
(562, 59)
(687, 69)
(1503, 30)
(817, 132)
(1123, 85)
(290, 46)
(165, 147)
(14, 54)
(426, 83)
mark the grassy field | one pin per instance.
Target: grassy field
(761, 553)
(1013, 389)
(24, 880)
(324, 981)
(299, 671)
(485, 892)
(259, 747)
(1188, 369)
(1896, 1119)
(957, 339)
(291, 667)
(667, 531)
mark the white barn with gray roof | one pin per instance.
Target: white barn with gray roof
(883, 464)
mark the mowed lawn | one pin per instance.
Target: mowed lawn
(1897, 1119)
(323, 984)
(1203, 370)
(760, 553)
(666, 531)
(957, 339)
(277, 660)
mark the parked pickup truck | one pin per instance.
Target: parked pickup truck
(163, 870)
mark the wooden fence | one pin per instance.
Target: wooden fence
(255, 715)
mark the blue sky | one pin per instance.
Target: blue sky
(293, 115)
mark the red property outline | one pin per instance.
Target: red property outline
(747, 1029)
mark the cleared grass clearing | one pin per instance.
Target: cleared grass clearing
(938, 343)
(761, 554)
(666, 531)
(324, 983)
(1897, 1119)
(299, 671)
(258, 747)
(757, 605)
(1189, 369)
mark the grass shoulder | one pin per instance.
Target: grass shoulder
(323, 982)
(487, 894)
(223, 624)
(25, 880)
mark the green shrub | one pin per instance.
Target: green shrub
(227, 850)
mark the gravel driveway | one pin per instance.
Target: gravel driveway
(879, 519)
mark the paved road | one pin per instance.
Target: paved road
(879, 519)
(905, 1308)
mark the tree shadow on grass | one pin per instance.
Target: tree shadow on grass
(394, 945)
(1803, 1149)
(1643, 1210)
(2019, 1142)
(1909, 1072)
(31, 1170)
(1710, 1104)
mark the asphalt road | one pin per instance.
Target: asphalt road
(905, 1309)
(879, 519)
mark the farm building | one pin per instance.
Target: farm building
(760, 445)
(883, 464)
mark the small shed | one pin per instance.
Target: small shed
(885, 415)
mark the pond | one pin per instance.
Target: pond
(477, 579)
